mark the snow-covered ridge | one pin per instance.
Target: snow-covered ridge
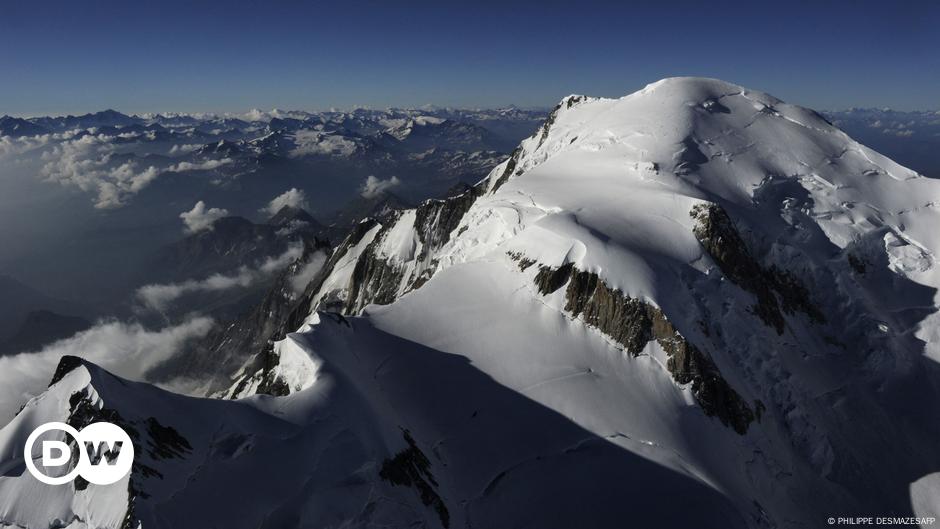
(201, 462)
(671, 145)
(693, 295)
(831, 243)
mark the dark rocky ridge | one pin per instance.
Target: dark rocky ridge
(161, 441)
(262, 356)
(67, 364)
(565, 103)
(509, 170)
(633, 324)
(777, 291)
(375, 280)
(435, 220)
(411, 468)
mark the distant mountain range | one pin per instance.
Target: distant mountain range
(140, 172)
(25, 312)
(912, 138)
(417, 146)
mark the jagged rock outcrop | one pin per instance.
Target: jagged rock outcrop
(634, 323)
(380, 277)
(411, 468)
(778, 292)
(160, 441)
(377, 277)
(261, 355)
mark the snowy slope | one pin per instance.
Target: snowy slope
(769, 282)
(209, 463)
(695, 305)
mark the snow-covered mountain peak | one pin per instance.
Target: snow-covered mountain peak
(721, 296)
(703, 139)
(732, 250)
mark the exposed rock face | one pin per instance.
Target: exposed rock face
(221, 353)
(165, 442)
(509, 169)
(857, 263)
(264, 357)
(411, 468)
(67, 364)
(308, 300)
(520, 258)
(82, 412)
(633, 324)
(375, 279)
(435, 220)
(565, 103)
(512, 167)
(160, 441)
(775, 289)
(378, 280)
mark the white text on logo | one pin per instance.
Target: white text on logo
(105, 453)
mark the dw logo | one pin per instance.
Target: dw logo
(105, 453)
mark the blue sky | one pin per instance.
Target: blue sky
(77, 56)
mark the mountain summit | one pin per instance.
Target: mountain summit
(695, 305)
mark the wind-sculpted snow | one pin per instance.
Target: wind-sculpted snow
(693, 305)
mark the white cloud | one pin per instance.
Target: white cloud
(204, 166)
(306, 274)
(273, 264)
(11, 147)
(126, 349)
(159, 297)
(199, 218)
(374, 187)
(184, 148)
(293, 197)
(262, 115)
(88, 162)
(314, 142)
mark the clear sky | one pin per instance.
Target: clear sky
(76, 56)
